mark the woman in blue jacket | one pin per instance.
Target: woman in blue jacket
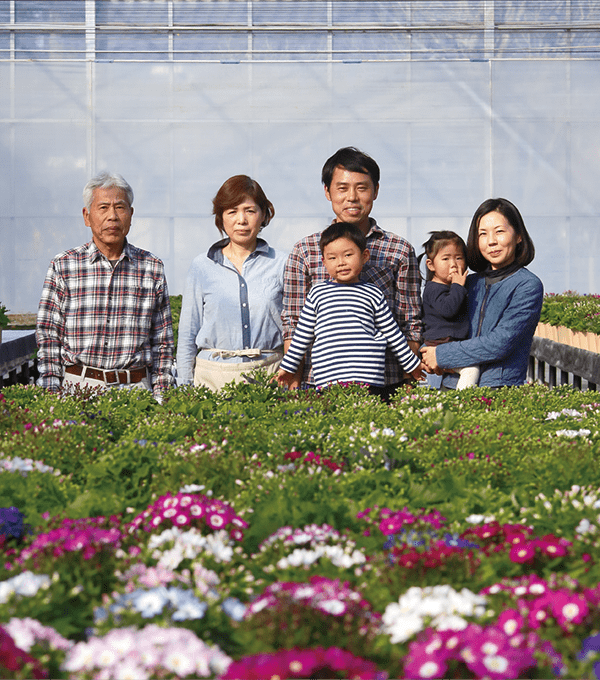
(504, 298)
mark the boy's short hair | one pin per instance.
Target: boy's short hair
(343, 230)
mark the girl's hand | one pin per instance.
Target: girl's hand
(456, 277)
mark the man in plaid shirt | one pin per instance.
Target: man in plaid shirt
(104, 316)
(351, 181)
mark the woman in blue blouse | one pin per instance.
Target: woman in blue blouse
(504, 299)
(231, 313)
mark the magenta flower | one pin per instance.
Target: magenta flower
(523, 552)
(568, 608)
(510, 622)
(187, 509)
(303, 663)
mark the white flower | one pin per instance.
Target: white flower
(79, 658)
(573, 433)
(334, 607)
(404, 628)
(179, 663)
(452, 622)
(496, 664)
(304, 593)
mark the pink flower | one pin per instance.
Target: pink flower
(510, 622)
(552, 546)
(538, 613)
(568, 608)
(523, 552)
(216, 521)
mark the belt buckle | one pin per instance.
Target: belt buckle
(128, 381)
(111, 382)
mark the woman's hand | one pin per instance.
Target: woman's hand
(430, 361)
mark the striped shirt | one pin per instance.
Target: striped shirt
(350, 326)
(94, 315)
(392, 267)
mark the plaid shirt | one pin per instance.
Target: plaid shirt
(392, 267)
(93, 315)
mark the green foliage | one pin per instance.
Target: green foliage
(175, 301)
(4, 320)
(574, 311)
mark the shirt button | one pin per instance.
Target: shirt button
(243, 284)
(244, 304)
(246, 325)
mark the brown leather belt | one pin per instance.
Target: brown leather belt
(132, 375)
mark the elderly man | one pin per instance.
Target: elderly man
(351, 181)
(104, 316)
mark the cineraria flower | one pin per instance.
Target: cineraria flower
(487, 652)
(335, 554)
(153, 651)
(25, 584)
(27, 632)
(311, 533)
(201, 512)
(441, 604)
(25, 465)
(11, 522)
(151, 602)
(234, 608)
(72, 536)
(14, 659)
(322, 599)
(571, 434)
(303, 663)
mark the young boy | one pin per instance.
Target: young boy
(348, 320)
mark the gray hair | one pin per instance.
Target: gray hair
(105, 180)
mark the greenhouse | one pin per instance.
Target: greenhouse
(457, 100)
(159, 531)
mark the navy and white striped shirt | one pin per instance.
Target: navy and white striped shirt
(351, 326)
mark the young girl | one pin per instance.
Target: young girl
(445, 315)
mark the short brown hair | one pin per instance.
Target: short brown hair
(234, 191)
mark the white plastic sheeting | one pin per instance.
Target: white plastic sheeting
(446, 132)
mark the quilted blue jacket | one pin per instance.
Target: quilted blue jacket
(502, 320)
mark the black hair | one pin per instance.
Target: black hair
(353, 160)
(525, 250)
(438, 240)
(343, 230)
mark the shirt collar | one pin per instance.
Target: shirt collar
(215, 252)
(94, 254)
(374, 228)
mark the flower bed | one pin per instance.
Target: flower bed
(257, 533)
(571, 319)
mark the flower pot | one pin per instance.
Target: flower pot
(545, 330)
(593, 342)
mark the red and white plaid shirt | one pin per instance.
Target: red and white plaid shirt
(94, 315)
(392, 267)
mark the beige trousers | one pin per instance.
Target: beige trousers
(216, 374)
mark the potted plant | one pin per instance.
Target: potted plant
(4, 320)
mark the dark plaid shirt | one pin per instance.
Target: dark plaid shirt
(392, 267)
(94, 315)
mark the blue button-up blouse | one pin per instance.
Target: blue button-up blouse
(225, 310)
